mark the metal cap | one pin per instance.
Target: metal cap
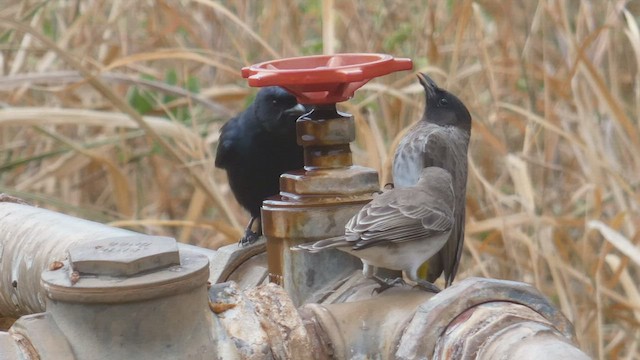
(125, 269)
(123, 256)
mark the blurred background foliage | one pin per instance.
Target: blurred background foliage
(110, 110)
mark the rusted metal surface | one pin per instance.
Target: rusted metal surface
(44, 338)
(9, 349)
(12, 199)
(501, 330)
(315, 203)
(263, 323)
(241, 323)
(246, 265)
(301, 273)
(355, 183)
(280, 320)
(433, 317)
(325, 134)
(326, 126)
(529, 341)
(474, 319)
(366, 328)
(318, 338)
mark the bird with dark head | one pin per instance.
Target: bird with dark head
(440, 138)
(256, 147)
(399, 229)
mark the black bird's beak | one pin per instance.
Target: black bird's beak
(429, 85)
(297, 110)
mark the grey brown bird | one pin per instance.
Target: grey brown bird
(440, 138)
(400, 228)
(256, 147)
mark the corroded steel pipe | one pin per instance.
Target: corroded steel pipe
(401, 323)
(504, 330)
(366, 328)
(263, 322)
(105, 299)
(481, 318)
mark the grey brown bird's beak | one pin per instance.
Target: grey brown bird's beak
(429, 85)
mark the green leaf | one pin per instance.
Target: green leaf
(193, 84)
(171, 77)
(141, 100)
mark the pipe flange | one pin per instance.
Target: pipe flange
(434, 316)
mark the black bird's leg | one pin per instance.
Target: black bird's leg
(250, 236)
(427, 286)
(386, 283)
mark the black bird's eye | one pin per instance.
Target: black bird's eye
(443, 102)
(274, 101)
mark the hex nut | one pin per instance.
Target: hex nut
(124, 256)
(344, 182)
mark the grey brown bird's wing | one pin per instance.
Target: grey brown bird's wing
(323, 244)
(449, 151)
(399, 216)
(428, 144)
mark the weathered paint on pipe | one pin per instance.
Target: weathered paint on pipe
(115, 294)
(474, 319)
(32, 239)
(504, 330)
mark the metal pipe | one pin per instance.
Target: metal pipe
(501, 330)
(487, 314)
(112, 295)
(364, 329)
(106, 298)
(32, 240)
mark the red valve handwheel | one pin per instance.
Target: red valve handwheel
(324, 79)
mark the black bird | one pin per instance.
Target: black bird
(440, 138)
(256, 147)
(399, 229)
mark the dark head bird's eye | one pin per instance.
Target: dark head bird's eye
(443, 102)
(274, 101)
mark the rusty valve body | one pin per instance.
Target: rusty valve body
(315, 203)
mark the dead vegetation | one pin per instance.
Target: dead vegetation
(110, 110)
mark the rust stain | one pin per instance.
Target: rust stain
(75, 277)
(55, 265)
(12, 199)
(218, 308)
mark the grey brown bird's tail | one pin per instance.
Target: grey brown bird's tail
(329, 243)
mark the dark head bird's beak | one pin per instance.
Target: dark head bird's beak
(297, 110)
(429, 85)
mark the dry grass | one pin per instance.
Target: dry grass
(553, 86)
